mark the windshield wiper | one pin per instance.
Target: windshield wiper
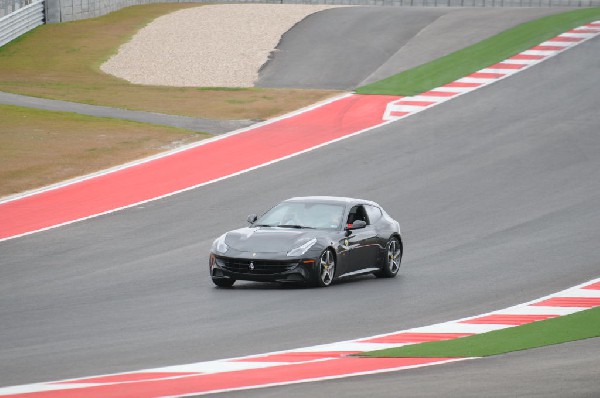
(262, 225)
(294, 226)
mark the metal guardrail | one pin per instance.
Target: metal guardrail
(24, 15)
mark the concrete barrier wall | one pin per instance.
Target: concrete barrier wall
(71, 10)
(21, 19)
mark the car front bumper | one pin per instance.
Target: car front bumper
(262, 267)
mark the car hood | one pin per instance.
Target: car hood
(267, 239)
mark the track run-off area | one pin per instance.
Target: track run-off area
(499, 206)
(309, 364)
(248, 149)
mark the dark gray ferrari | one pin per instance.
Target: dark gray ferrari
(312, 240)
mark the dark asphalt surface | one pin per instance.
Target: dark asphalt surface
(343, 48)
(497, 192)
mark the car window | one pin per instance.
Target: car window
(374, 213)
(309, 215)
(357, 213)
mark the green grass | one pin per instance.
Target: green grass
(481, 55)
(62, 61)
(578, 326)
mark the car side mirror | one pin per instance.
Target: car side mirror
(358, 224)
(252, 218)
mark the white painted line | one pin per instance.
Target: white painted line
(521, 61)
(455, 327)
(347, 346)
(579, 35)
(558, 43)
(539, 310)
(545, 53)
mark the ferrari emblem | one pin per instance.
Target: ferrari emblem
(251, 266)
(346, 242)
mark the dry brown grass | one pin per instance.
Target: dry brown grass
(61, 61)
(38, 148)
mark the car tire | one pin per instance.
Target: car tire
(325, 269)
(223, 282)
(392, 260)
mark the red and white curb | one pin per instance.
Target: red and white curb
(407, 106)
(307, 364)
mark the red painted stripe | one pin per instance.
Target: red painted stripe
(584, 30)
(192, 167)
(582, 302)
(462, 85)
(519, 57)
(236, 380)
(548, 48)
(507, 66)
(415, 103)
(128, 377)
(565, 39)
(485, 75)
(298, 356)
(593, 286)
(500, 319)
(415, 337)
(399, 114)
(594, 24)
(434, 93)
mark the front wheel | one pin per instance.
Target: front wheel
(223, 282)
(325, 269)
(391, 264)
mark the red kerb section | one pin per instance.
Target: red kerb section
(485, 75)
(434, 93)
(192, 167)
(415, 337)
(548, 48)
(593, 286)
(415, 103)
(239, 379)
(127, 377)
(507, 66)
(462, 85)
(579, 302)
(500, 319)
(521, 57)
(565, 39)
(298, 356)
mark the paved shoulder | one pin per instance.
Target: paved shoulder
(190, 123)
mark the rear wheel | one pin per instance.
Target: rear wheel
(392, 260)
(325, 269)
(223, 282)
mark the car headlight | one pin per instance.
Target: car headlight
(300, 250)
(219, 245)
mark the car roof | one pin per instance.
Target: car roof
(331, 199)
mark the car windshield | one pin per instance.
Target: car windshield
(303, 215)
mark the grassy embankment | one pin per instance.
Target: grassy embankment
(578, 326)
(61, 61)
(480, 55)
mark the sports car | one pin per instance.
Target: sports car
(310, 240)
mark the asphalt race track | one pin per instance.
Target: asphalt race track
(497, 192)
(346, 47)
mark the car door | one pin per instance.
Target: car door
(362, 243)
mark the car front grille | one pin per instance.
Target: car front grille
(259, 267)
